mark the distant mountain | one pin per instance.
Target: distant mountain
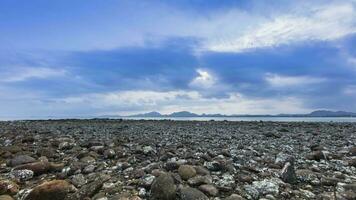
(327, 113)
(150, 114)
(183, 114)
(317, 113)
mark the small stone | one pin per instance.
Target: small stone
(268, 186)
(78, 180)
(22, 175)
(188, 193)
(226, 183)
(213, 166)
(186, 172)
(209, 190)
(89, 169)
(109, 153)
(317, 155)
(163, 188)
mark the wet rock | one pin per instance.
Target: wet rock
(188, 193)
(20, 159)
(186, 172)
(8, 187)
(209, 190)
(163, 188)
(52, 190)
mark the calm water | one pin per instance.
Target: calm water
(281, 119)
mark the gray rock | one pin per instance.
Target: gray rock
(209, 190)
(188, 193)
(20, 160)
(163, 188)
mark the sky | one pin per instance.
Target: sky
(90, 57)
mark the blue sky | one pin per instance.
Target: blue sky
(89, 57)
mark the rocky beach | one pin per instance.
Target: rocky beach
(106, 159)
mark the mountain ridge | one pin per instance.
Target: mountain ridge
(316, 113)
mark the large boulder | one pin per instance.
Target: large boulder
(20, 159)
(163, 188)
(52, 190)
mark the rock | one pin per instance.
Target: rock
(317, 155)
(147, 150)
(109, 153)
(307, 176)
(89, 169)
(352, 151)
(188, 193)
(330, 181)
(65, 145)
(226, 183)
(87, 160)
(186, 172)
(78, 180)
(52, 190)
(90, 189)
(6, 197)
(199, 180)
(147, 180)
(8, 187)
(209, 190)
(267, 186)
(307, 194)
(234, 197)
(38, 168)
(214, 166)
(288, 174)
(22, 175)
(163, 188)
(352, 162)
(282, 158)
(21, 159)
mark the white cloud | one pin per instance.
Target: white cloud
(321, 23)
(204, 79)
(350, 90)
(276, 80)
(129, 102)
(18, 74)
